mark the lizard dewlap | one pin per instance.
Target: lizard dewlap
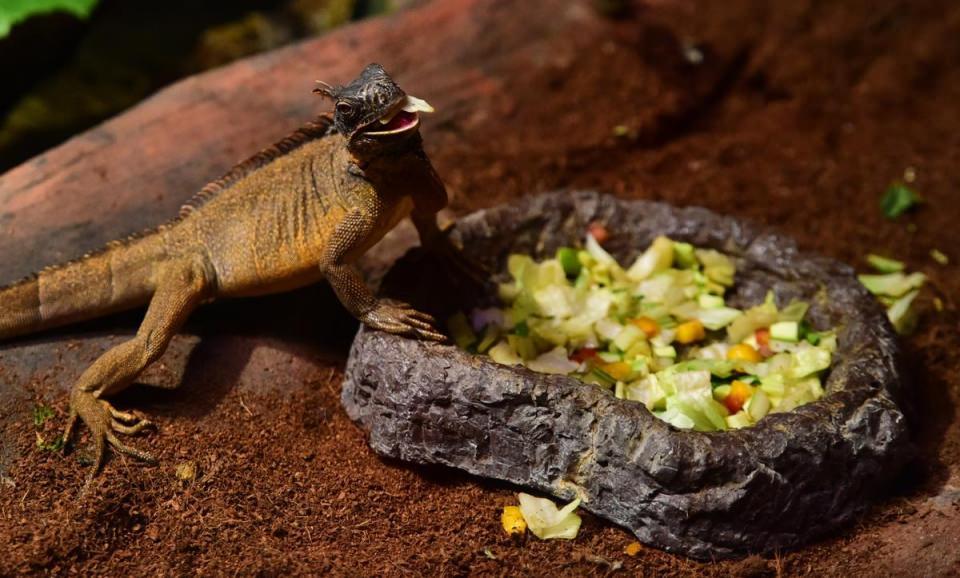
(657, 332)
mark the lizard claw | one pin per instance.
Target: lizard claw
(403, 319)
(104, 422)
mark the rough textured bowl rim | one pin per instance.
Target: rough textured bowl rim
(857, 427)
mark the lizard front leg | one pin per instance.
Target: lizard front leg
(348, 284)
(181, 286)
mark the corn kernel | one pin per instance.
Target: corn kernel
(647, 325)
(690, 332)
(512, 521)
(743, 352)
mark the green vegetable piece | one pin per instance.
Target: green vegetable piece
(41, 413)
(523, 346)
(521, 329)
(738, 420)
(599, 377)
(809, 360)
(13, 12)
(757, 317)
(718, 317)
(718, 267)
(758, 405)
(503, 354)
(721, 392)
(54, 446)
(809, 335)
(902, 315)
(892, 284)
(570, 261)
(707, 301)
(517, 266)
(640, 365)
(609, 356)
(490, 336)
(773, 385)
(683, 255)
(665, 351)
(898, 199)
(721, 368)
(884, 264)
(547, 522)
(628, 336)
(658, 257)
(793, 312)
(939, 257)
(620, 390)
(785, 331)
(461, 331)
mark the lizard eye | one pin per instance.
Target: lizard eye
(344, 108)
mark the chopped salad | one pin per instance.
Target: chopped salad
(658, 332)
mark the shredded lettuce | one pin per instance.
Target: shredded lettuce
(657, 258)
(581, 314)
(884, 264)
(892, 284)
(546, 521)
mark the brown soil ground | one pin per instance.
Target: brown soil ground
(798, 116)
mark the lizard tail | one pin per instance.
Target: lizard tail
(117, 278)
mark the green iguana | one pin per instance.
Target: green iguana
(302, 210)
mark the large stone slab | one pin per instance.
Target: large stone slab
(791, 478)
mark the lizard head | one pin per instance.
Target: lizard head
(373, 108)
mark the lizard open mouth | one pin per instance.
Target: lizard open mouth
(402, 118)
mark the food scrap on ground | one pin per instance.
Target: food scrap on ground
(898, 199)
(546, 521)
(896, 289)
(659, 332)
(939, 256)
(512, 521)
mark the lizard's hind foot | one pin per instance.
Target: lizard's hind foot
(104, 422)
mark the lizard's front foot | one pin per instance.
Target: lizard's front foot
(104, 422)
(403, 319)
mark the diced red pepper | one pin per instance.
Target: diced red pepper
(763, 342)
(584, 354)
(599, 232)
(740, 392)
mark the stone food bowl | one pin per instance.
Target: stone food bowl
(792, 477)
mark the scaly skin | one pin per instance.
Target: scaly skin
(303, 210)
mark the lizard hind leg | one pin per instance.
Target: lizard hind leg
(181, 286)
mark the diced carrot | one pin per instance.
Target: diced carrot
(762, 336)
(598, 232)
(740, 392)
(690, 332)
(649, 326)
(632, 549)
(619, 370)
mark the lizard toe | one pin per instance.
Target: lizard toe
(105, 422)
